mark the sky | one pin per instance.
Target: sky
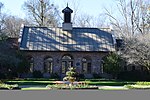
(91, 7)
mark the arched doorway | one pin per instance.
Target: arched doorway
(48, 65)
(67, 61)
(86, 65)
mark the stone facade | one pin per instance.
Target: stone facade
(96, 57)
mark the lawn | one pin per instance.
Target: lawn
(108, 82)
(102, 83)
(98, 82)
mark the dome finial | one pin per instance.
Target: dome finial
(67, 4)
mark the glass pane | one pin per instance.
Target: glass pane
(67, 57)
(89, 67)
(64, 64)
(51, 67)
(70, 64)
(84, 66)
(31, 67)
(49, 59)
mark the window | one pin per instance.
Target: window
(67, 61)
(86, 65)
(31, 64)
(48, 65)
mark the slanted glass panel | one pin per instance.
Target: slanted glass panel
(48, 65)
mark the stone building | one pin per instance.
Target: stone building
(54, 49)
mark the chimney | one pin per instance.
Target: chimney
(67, 25)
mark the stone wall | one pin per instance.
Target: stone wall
(77, 60)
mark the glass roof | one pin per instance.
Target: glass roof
(55, 39)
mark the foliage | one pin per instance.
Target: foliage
(112, 64)
(7, 86)
(134, 75)
(23, 65)
(64, 86)
(142, 83)
(96, 76)
(2, 75)
(55, 76)
(12, 62)
(70, 75)
(37, 74)
(137, 86)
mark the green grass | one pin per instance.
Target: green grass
(30, 82)
(137, 86)
(109, 83)
(142, 83)
(97, 82)
(41, 81)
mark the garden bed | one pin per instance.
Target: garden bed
(74, 87)
(9, 87)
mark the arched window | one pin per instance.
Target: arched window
(66, 57)
(31, 63)
(86, 65)
(67, 61)
(48, 65)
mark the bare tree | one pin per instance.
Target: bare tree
(84, 20)
(133, 24)
(133, 19)
(41, 12)
(137, 51)
(3, 36)
(12, 26)
(1, 17)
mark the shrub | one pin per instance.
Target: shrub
(55, 76)
(142, 83)
(37, 74)
(7, 86)
(2, 76)
(80, 76)
(134, 75)
(12, 75)
(95, 75)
